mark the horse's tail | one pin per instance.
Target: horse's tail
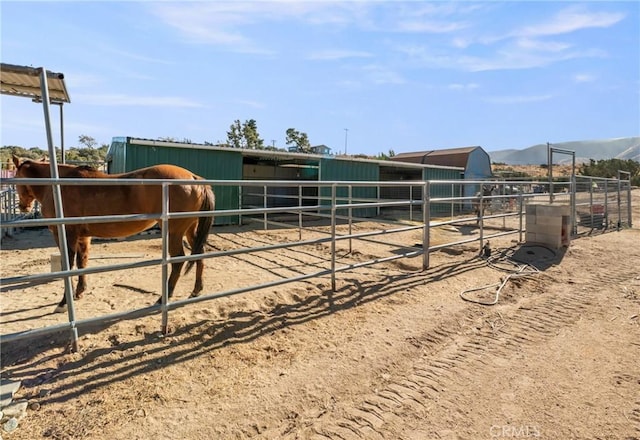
(204, 224)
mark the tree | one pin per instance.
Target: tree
(245, 135)
(87, 141)
(299, 139)
(382, 156)
(609, 168)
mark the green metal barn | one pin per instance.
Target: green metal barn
(223, 163)
(127, 154)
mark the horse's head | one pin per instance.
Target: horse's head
(24, 168)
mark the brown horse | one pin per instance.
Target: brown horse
(98, 200)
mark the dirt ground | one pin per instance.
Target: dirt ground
(394, 353)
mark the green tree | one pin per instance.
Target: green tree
(609, 168)
(234, 135)
(87, 141)
(382, 156)
(245, 135)
(299, 139)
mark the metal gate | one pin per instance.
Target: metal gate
(602, 204)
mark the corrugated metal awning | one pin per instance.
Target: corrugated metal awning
(24, 81)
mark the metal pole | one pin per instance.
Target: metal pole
(629, 201)
(520, 206)
(453, 203)
(591, 201)
(264, 205)
(333, 237)
(481, 218)
(619, 202)
(300, 213)
(606, 205)
(426, 219)
(572, 197)
(165, 256)
(350, 215)
(57, 198)
(550, 167)
(411, 203)
(346, 132)
(62, 134)
(240, 188)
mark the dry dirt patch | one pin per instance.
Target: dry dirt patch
(394, 352)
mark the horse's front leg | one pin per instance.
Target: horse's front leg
(82, 258)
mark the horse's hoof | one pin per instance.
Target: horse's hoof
(60, 309)
(194, 294)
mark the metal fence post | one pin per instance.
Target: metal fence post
(481, 218)
(350, 216)
(606, 204)
(300, 212)
(520, 206)
(629, 201)
(411, 203)
(57, 198)
(453, 203)
(333, 237)
(619, 203)
(264, 205)
(165, 257)
(426, 219)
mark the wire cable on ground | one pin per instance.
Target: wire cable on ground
(507, 261)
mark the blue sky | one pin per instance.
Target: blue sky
(401, 76)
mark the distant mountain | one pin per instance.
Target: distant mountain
(619, 148)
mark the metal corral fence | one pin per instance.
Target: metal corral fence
(302, 206)
(602, 203)
(8, 208)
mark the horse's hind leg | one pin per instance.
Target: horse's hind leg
(175, 250)
(198, 286)
(82, 258)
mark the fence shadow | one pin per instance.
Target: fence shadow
(97, 368)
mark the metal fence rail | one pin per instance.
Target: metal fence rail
(302, 204)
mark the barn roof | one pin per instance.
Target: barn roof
(275, 155)
(453, 157)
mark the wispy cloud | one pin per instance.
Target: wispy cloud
(209, 23)
(252, 104)
(228, 24)
(519, 99)
(537, 45)
(135, 56)
(514, 54)
(338, 54)
(571, 19)
(429, 26)
(514, 58)
(137, 101)
(583, 78)
(378, 74)
(467, 87)
(526, 46)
